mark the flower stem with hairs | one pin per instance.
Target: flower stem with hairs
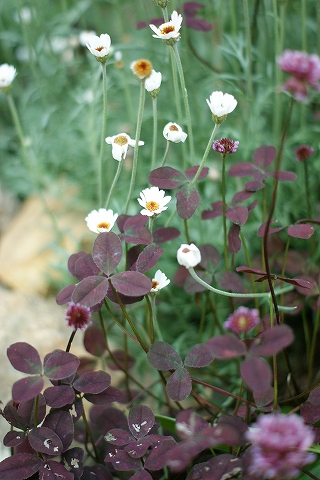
(206, 153)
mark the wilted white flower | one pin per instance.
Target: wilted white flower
(159, 281)
(85, 37)
(169, 31)
(153, 201)
(173, 132)
(101, 220)
(188, 255)
(221, 104)
(120, 145)
(142, 68)
(153, 82)
(100, 46)
(7, 75)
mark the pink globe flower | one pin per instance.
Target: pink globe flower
(279, 446)
(303, 152)
(242, 320)
(78, 316)
(225, 145)
(301, 66)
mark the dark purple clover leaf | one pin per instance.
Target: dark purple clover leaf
(24, 358)
(107, 252)
(243, 169)
(141, 475)
(59, 396)
(27, 388)
(300, 230)
(73, 459)
(234, 240)
(118, 437)
(131, 284)
(85, 267)
(192, 286)
(96, 472)
(179, 385)
(72, 262)
(135, 230)
(138, 448)
(140, 420)
(44, 440)
(163, 357)
(222, 466)
(13, 438)
(167, 177)
(189, 423)
(272, 341)
(109, 395)
(199, 356)
(191, 172)
(262, 229)
(61, 423)
(238, 424)
(265, 400)
(254, 186)
(164, 234)
(314, 396)
(241, 197)
(309, 412)
(20, 466)
(123, 462)
(51, 470)
(90, 290)
(148, 258)
(237, 215)
(157, 458)
(188, 200)
(216, 211)
(210, 257)
(230, 281)
(257, 374)
(226, 346)
(94, 341)
(65, 295)
(284, 176)
(60, 364)
(93, 382)
(264, 156)
(121, 360)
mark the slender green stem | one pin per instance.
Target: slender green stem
(35, 413)
(307, 188)
(304, 25)
(103, 133)
(186, 230)
(224, 209)
(136, 147)
(166, 153)
(118, 323)
(185, 100)
(115, 180)
(155, 132)
(85, 421)
(151, 326)
(248, 260)
(71, 340)
(313, 347)
(154, 317)
(206, 153)
(248, 51)
(237, 295)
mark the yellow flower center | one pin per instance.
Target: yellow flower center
(242, 322)
(155, 283)
(173, 128)
(142, 68)
(99, 49)
(152, 206)
(121, 140)
(105, 225)
(186, 250)
(167, 29)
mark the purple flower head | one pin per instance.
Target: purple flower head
(302, 66)
(78, 316)
(303, 152)
(297, 89)
(190, 9)
(242, 320)
(279, 446)
(225, 145)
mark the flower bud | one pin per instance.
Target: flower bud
(188, 255)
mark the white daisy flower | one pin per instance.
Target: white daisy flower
(159, 281)
(153, 82)
(153, 201)
(169, 31)
(142, 68)
(100, 47)
(173, 132)
(221, 104)
(7, 75)
(188, 255)
(85, 37)
(120, 145)
(101, 220)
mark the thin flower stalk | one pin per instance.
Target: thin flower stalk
(237, 295)
(155, 132)
(313, 348)
(224, 209)
(249, 83)
(185, 100)
(165, 154)
(115, 181)
(136, 147)
(206, 153)
(154, 317)
(119, 324)
(101, 182)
